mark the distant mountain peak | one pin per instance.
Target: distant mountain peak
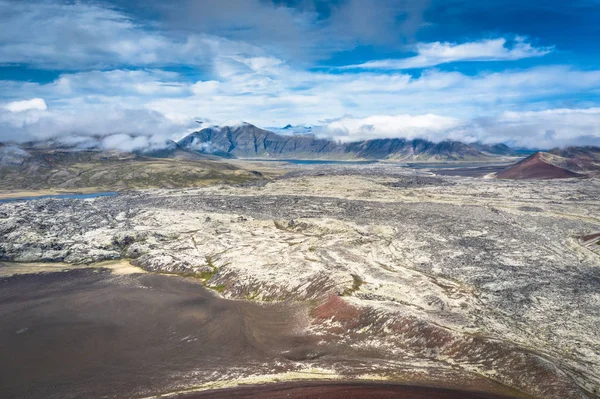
(291, 129)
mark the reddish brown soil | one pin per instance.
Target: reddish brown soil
(336, 309)
(329, 390)
(534, 167)
(346, 322)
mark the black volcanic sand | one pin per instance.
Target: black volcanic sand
(89, 334)
(337, 390)
(470, 172)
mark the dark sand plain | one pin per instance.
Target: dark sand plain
(85, 333)
(91, 334)
(478, 171)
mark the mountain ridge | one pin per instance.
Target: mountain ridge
(249, 141)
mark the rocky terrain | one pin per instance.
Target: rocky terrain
(249, 141)
(450, 281)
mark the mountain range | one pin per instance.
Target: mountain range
(249, 141)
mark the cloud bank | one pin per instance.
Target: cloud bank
(436, 105)
(539, 129)
(428, 126)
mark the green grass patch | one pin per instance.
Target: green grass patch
(206, 275)
(219, 288)
(357, 282)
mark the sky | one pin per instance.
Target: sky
(130, 74)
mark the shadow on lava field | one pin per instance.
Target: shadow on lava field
(336, 390)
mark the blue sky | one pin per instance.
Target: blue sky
(134, 73)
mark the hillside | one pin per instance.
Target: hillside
(587, 152)
(249, 141)
(540, 165)
(578, 159)
(97, 170)
(495, 149)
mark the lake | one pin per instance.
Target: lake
(61, 196)
(315, 161)
(456, 165)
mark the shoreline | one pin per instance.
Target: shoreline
(43, 194)
(117, 267)
(8, 194)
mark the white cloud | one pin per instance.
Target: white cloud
(37, 104)
(83, 36)
(205, 87)
(532, 129)
(77, 125)
(436, 53)
(287, 95)
(541, 129)
(428, 126)
(300, 30)
(148, 82)
(125, 142)
(94, 35)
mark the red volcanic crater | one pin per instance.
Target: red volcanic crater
(536, 166)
